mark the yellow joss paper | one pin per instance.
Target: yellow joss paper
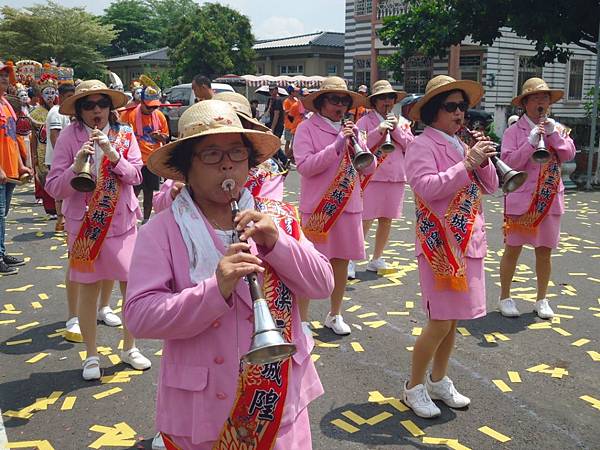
(357, 347)
(514, 377)
(502, 385)
(106, 393)
(494, 434)
(344, 426)
(412, 428)
(37, 358)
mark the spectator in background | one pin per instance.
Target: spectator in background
(201, 86)
(294, 112)
(276, 116)
(254, 108)
(359, 111)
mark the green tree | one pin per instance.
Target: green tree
(72, 36)
(135, 23)
(212, 40)
(430, 27)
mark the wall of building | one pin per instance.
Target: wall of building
(312, 64)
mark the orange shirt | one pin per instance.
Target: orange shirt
(146, 142)
(357, 113)
(9, 146)
(293, 110)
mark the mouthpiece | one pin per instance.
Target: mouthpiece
(228, 185)
(540, 109)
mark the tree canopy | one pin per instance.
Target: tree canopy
(430, 27)
(71, 36)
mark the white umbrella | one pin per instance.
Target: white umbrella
(264, 90)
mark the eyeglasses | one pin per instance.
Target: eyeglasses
(88, 105)
(452, 106)
(336, 100)
(215, 156)
(390, 96)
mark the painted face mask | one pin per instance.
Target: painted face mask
(49, 95)
(137, 94)
(23, 97)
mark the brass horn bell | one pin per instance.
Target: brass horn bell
(511, 179)
(84, 182)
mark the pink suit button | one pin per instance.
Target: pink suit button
(221, 395)
(219, 360)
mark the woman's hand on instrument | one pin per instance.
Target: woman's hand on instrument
(349, 129)
(236, 263)
(104, 143)
(549, 126)
(86, 150)
(176, 189)
(392, 120)
(536, 132)
(479, 154)
(258, 226)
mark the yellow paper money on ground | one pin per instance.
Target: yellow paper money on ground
(494, 434)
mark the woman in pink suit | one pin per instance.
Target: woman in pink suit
(330, 195)
(101, 225)
(383, 192)
(188, 291)
(532, 212)
(448, 179)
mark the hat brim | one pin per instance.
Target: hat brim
(473, 90)
(264, 145)
(118, 99)
(555, 95)
(400, 95)
(357, 99)
(252, 124)
(152, 102)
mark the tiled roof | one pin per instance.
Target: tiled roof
(160, 53)
(321, 38)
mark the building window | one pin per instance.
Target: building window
(386, 8)
(417, 72)
(470, 68)
(575, 88)
(363, 7)
(527, 69)
(331, 69)
(260, 69)
(362, 71)
(291, 69)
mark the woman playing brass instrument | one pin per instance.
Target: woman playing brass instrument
(532, 213)
(448, 179)
(383, 192)
(187, 289)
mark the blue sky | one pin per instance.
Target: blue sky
(270, 18)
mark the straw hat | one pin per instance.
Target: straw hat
(242, 108)
(333, 85)
(384, 87)
(10, 68)
(533, 86)
(91, 87)
(444, 83)
(207, 118)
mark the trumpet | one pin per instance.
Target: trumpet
(541, 154)
(268, 345)
(388, 146)
(84, 181)
(361, 159)
(511, 179)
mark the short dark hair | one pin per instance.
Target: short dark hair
(202, 80)
(319, 101)
(430, 109)
(65, 88)
(112, 118)
(254, 101)
(181, 159)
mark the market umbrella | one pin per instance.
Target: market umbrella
(264, 90)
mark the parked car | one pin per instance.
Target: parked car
(183, 94)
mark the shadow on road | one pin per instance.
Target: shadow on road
(33, 236)
(494, 322)
(39, 340)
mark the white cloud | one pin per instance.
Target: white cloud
(278, 27)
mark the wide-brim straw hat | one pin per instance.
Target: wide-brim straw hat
(444, 83)
(92, 87)
(242, 108)
(384, 87)
(534, 86)
(333, 85)
(208, 118)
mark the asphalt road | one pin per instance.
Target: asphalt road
(553, 405)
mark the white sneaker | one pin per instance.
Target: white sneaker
(445, 391)
(351, 270)
(419, 401)
(91, 368)
(157, 442)
(337, 324)
(543, 310)
(376, 264)
(306, 329)
(508, 308)
(107, 315)
(135, 359)
(73, 332)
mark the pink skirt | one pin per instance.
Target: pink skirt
(548, 234)
(112, 262)
(295, 435)
(452, 305)
(345, 239)
(383, 199)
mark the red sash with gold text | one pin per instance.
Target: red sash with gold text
(261, 173)
(333, 203)
(446, 256)
(101, 207)
(381, 156)
(545, 192)
(262, 389)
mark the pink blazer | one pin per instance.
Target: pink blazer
(200, 362)
(162, 199)
(318, 150)
(436, 172)
(58, 182)
(517, 151)
(392, 170)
